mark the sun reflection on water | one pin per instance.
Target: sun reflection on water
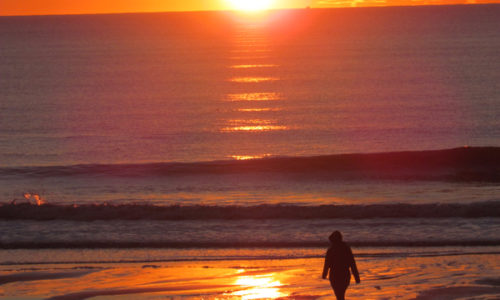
(251, 79)
(258, 109)
(255, 128)
(254, 56)
(253, 125)
(251, 66)
(247, 157)
(250, 50)
(251, 41)
(259, 287)
(254, 97)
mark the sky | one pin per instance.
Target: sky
(44, 7)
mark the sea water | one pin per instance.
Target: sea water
(192, 87)
(218, 135)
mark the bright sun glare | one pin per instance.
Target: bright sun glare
(259, 287)
(250, 5)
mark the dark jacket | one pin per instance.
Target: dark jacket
(338, 260)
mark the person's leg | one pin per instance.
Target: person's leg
(339, 284)
(339, 292)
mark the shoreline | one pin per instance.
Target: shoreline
(422, 277)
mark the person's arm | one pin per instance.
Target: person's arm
(354, 268)
(326, 266)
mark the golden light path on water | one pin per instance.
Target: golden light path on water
(250, 66)
(253, 79)
(246, 57)
(255, 98)
(246, 157)
(258, 109)
(250, 50)
(253, 125)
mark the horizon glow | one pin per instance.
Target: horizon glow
(61, 7)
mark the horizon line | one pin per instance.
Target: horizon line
(257, 12)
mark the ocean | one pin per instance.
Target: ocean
(165, 138)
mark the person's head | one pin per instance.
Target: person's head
(335, 237)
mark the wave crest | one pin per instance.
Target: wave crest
(91, 212)
(460, 164)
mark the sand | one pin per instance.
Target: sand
(470, 276)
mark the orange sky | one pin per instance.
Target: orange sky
(37, 7)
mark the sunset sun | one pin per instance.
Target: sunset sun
(250, 5)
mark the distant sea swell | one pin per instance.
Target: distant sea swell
(196, 226)
(467, 164)
(91, 212)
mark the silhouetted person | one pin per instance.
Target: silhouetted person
(338, 260)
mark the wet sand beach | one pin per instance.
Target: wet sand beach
(383, 276)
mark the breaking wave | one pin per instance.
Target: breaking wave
(459, 164)
(91, 212)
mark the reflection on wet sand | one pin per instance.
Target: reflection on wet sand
(386, 273)
(259, 287)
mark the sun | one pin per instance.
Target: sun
(250, 5)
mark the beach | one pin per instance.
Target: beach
(401, 274)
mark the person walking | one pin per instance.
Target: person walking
(338, 260)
